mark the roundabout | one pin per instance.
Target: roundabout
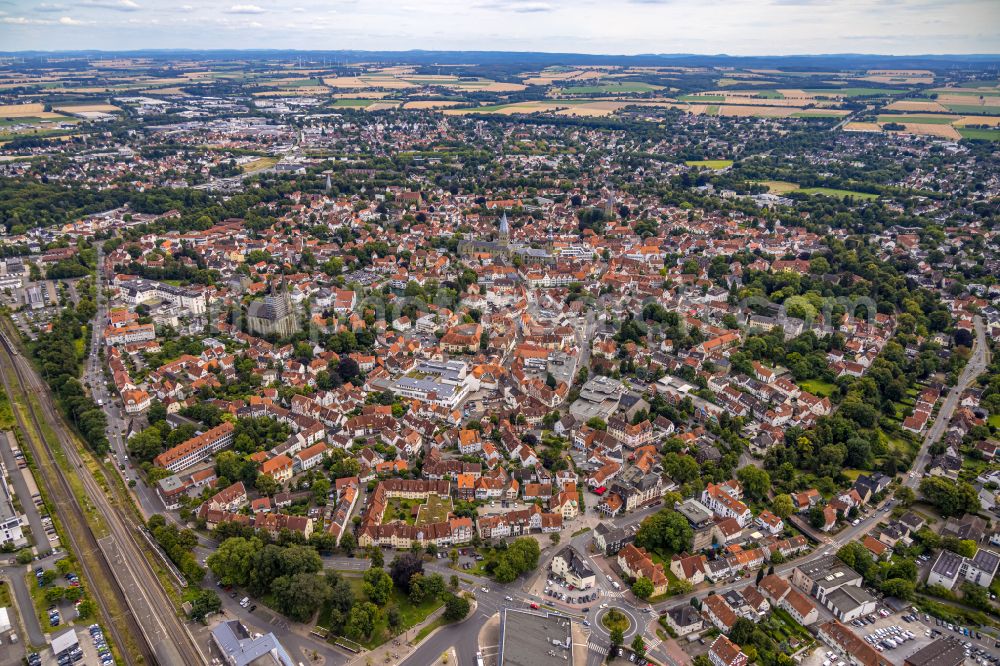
(609, 619)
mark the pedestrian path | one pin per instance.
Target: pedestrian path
(597, 647)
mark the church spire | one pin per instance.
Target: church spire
(504, 229)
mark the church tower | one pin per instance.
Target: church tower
(504, 237)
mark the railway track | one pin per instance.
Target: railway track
(137, 611)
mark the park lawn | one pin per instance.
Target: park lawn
(981, 134)
(410, 614)
(818, 387)
(710, 164)
(840, 194)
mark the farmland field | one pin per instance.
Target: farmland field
(985, 134)
(973, 109)
(26, 111)
(609, 88)
(710, 164)
(702, 98)
(779, 186)
(923, 120)
(356, 103)
(853, 92)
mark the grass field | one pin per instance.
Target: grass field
(984, 134)
(702, 98)
(712, 110)
(357, 103)
(830, 192)
(853, 92)
(710, 164)
(610, 88)
(818, 387)
(994, 421)
(974, 109)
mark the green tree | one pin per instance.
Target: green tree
(378, 586)
(665, 530)
(952, 498)
(205, 603)
(756, 482)
(642, 588)
(299, 595)
(361, 620)
(639, 646)
(782, 506)
(905, 496)
(234, 559)
(455, 608)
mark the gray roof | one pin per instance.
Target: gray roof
(829, 571)
(849, 597)
(242, 649)
(986, 560)
(575, 562)
(684, 615)
(947, 564)
(65, 641)
(535, 639)
(946, 651)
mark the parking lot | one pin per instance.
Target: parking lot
(979, 647)
(897, 636)
(559, 589)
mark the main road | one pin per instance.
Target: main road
(977, 364)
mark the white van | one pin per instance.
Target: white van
(616, 585)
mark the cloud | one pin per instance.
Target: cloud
(50, 7)
(245, 9)
(116, 5)
(66, 20)
(516, 6)
(21, 20)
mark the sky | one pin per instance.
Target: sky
(735, 27)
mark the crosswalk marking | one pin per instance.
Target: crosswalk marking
(597, 647)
